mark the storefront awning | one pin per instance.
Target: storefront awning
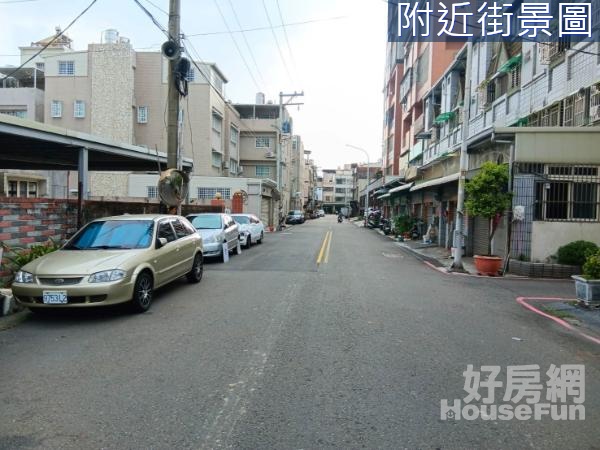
(445, 117)
(405, 187)
(436, 182)
(510, 64)
(383, 196)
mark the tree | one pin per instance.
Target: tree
(488, 196)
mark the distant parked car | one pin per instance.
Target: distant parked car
(216, 229)
(295, 217)
(321, 213)
(112, 260)
(252, 230)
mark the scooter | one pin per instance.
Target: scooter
(386, 226)
(340, 218)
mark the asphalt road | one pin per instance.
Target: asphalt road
(273, 350)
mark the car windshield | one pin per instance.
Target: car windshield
(206, 222)
(243, 220)
(294, 213)
(113, 235)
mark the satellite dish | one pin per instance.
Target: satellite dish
(170, 50)
(173, 187)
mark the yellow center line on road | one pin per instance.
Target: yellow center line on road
(323, 247)
(328, 247)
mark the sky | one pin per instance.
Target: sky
(337, 59)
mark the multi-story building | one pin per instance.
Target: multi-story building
(262, 136)
(22, 95)
(528, 104)
(328, 190)
(309, 182)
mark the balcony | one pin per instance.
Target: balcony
(419, 124)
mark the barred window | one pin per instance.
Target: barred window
(142, 114)
(568, 193)
(210, 193)
(56, 108)
(263, 171)
(66, 67)
(263, 142)
(79, 109)
(152, 191)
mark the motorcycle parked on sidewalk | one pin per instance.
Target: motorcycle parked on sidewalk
(386, 226)
(340, 218)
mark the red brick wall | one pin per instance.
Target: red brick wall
(24, 222)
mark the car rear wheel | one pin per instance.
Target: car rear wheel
(195, 275)
(249, 241)
(142, 293)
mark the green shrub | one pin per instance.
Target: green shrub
(19, 257)
(591, 268)
(402, 224)
(575, 253)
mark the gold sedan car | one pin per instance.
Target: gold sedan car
(113, 260)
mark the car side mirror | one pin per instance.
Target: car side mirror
(161, 242)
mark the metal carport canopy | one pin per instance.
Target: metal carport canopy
(35, 146)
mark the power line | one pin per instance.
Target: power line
(18, 1)
(285, 33)
(247, 44)
(236, 45)
(290, 24)
(36, 54)
(277, 41)
(157, 7)
(154, 20)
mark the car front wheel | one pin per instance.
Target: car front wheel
(142, 293)
(195, 275)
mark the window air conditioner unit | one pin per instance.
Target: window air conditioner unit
(225, 165)
(240, 170)
(269, 155)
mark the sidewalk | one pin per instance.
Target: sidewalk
(438, 256)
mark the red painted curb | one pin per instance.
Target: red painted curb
(523, 302)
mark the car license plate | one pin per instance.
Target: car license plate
(55, 297)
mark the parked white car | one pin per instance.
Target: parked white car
(216, 229)
(252, 230)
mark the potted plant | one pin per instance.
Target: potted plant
(488, 196)
(587, 286)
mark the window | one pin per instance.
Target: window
(217, 159)
(56, 108)
(15, 113)
(217, 128)
(13, 188)
(152, 191)
(515, 77)
(233, 166)
(181, 230)
(263, 171)
(568, 110)
(166, 231)
(263, 142)
(22, 188)
(210, 193)
(142, 114)
(234, 137)
(79, 109)
(191, 75)
(568, 193)
(66, 67)
(40, 66)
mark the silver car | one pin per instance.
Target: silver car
(252, 230)
(216, 229)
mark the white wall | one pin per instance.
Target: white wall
(547, 237)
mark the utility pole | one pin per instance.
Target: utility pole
(459, 236)
(173, 94)
(368, 177)
(280, 128)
